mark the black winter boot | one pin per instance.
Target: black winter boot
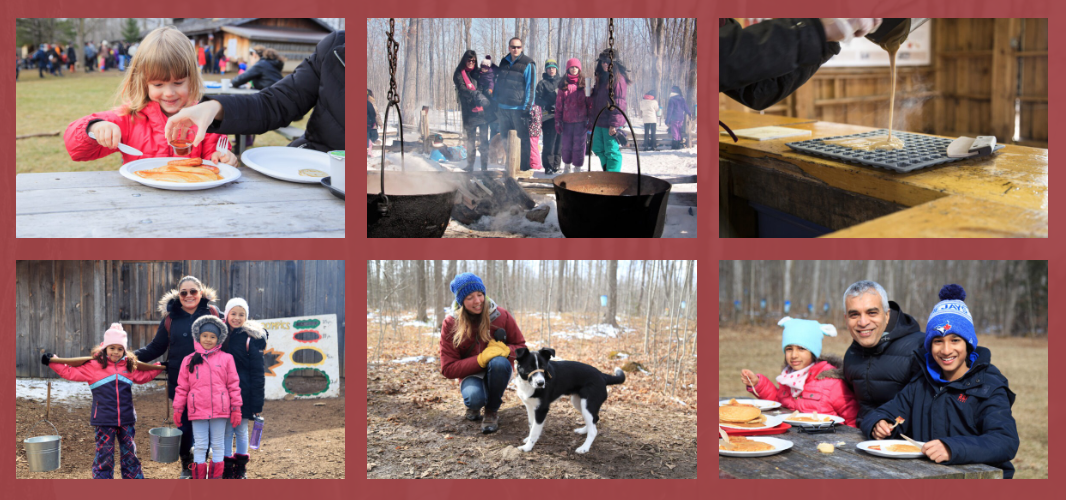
(186, 462)
(227, 468)
(240, 466)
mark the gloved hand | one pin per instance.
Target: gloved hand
(495, 348)
(235, 419)
(46, 358)
(843, 30)
(164, 364)
(177, 417)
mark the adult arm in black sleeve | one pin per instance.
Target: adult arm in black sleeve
(159, 344)
(765, 63)
(278, 105)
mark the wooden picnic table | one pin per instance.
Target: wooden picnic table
(804, 461)
(1005, 195)
(107, 205)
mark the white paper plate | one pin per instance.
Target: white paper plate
(762, 404)
(285, 163)
(778, 444)
(771, 421)
(801, 423)
(865, 446)
(228, 173)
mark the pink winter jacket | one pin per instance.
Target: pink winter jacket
(212, 390)
(572, 106)
(824, 392)
(144, 134)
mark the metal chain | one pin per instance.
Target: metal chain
(610, 67)
(392, 47)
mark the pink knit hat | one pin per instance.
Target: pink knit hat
(574, 62)
(115, 335)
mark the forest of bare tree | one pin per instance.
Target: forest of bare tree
(659, 53)
(1004, 297)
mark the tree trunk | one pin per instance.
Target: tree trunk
(420, 282)
(562, 296)
(530, 44)
(438, 293)
(549, 53)
(410, 71)
(610, 317)
(467, 22)
(657, 33)
(814, 288)
(690, 122)
(788, 286)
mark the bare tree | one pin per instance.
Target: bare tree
(438, 293)
(611, 315)
(467, 22)
(420, 282)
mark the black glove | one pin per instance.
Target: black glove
(165, 364)
(46, 358)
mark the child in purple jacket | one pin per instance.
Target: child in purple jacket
(486, 80)
(572, 115)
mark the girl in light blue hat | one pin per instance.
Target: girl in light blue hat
(809, 382)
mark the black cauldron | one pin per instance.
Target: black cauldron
(414, 205)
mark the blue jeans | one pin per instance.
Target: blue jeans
(241, 431)
(208, 433)
(488, 392)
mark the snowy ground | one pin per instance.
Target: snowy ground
(680, 220)
(64, 391)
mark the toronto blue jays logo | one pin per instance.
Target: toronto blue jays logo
(943, 329)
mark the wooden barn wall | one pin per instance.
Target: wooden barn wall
(985, 72)
(64, 306)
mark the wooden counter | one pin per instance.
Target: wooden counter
(1004, 195)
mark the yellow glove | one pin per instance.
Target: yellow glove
(495, 348)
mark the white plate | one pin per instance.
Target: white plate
(801, 423)
(865, 446)
(778, 444)
(285, 163)
(771, 421)
(228, 173)
(762, 404)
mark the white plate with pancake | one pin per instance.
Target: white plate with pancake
(778, 444)
(762, 404)
(771, 421)
(804, 423)
(884, 452)
(302, 165)
(228, 173)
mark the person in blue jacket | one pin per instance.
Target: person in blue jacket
(514, 94)
(960, 405)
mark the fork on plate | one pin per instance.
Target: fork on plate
(223, 143)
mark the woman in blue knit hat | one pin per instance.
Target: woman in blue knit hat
(809, 382)
(470, 351)
(961, 405)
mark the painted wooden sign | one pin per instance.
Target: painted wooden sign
(297, 347)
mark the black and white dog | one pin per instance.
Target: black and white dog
(540, 382)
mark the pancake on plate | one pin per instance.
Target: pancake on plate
(739, 414)
(741, 443)
(904, 448)
(178, 173)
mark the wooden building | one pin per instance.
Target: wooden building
(64, 307)
(985, 77)
(293, 38)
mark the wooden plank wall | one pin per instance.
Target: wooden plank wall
(64, 306)
(985, 71)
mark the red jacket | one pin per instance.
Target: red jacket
(457, 363)
(824, 392)
(145, 134)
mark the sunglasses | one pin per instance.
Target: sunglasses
(185, 293)
(515, 47)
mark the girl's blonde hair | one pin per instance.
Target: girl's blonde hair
(466, 323)
(164, 55)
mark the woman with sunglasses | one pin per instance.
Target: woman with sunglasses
(180, 308)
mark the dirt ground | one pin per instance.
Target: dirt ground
(416, 429)
(301, 439)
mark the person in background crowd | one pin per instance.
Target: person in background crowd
(546, 94)
(649, 113)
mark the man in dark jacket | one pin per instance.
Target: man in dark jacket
(546, 92)
(41, 58)
(318, 82)
(880, 360)
(514, 93)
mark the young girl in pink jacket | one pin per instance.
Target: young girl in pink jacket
(162, 79)
(809, 383)
(209, 389)
(110, 373)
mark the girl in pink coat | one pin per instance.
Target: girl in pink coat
(809, 383)
(209, 389)
(572, 115)
(162, 79)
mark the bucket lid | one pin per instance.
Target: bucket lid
(337, 155)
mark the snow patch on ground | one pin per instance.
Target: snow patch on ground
(65, 391)
(593, 331)
(415, 359)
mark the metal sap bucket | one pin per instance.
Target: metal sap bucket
(43, 452)
(165, 444)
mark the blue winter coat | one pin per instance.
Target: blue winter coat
(971, 416)
(246, 345)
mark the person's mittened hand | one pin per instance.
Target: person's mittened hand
(46, 358)
(197, 117)
(165, 364)
(177, 417)
(936, 451)
(235, 419)
(494, 349)
(107, 134)
(612, 131)
(882, 430)
(224, 156)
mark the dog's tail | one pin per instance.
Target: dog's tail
(618, 377)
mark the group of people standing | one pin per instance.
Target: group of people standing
(215, 377)
(211, 62)
(54, 57)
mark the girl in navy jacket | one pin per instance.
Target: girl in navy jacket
(960, 405)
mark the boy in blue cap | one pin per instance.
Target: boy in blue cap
(961, 405)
